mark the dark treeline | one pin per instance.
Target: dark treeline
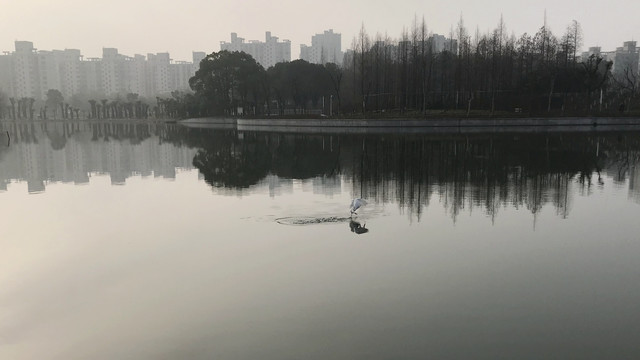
(486, 73)
(481, 74)
(233, 83)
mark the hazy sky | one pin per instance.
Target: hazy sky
(181, 26)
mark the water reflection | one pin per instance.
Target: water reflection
(357, 228)
(486, 171)
(159, 270)
(71, 152)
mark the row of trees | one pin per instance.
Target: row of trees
(489, 73)
(20, 108)
(131, 107)
(121, 106)
(25, 108)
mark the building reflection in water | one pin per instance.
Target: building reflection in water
(485, 171)
(43, 153)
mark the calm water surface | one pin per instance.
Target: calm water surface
(147, 241)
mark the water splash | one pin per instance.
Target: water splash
(311, 220)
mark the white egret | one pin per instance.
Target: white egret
(356, 204)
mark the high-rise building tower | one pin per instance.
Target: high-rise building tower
(266, 53)
(325, 48)
(626, 60)
(25, 71)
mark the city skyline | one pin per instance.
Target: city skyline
(27, 72)
(178, 28)
(30, 73)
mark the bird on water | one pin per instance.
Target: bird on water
(356, 204)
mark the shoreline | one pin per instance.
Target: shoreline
(445, 125)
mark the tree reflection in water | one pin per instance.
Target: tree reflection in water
(487, 171)
(481, 170)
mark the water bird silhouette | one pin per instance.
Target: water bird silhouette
(357, 228)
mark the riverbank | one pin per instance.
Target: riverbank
(329, 125)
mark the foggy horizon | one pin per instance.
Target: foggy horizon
(178, 28)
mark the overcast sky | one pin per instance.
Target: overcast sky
(182, 26)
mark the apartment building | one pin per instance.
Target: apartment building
(267, 53)
(25, 71)
(28, 72)
(627, 59)
(325, 48)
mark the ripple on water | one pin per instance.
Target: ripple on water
(308, 220)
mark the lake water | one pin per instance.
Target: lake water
(156, 241)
